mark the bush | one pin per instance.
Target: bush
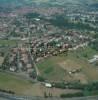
(7, 91)
(41, 79)
(79, 94)
(60, 85)
(94, 45)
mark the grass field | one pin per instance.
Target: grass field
(50, 69)
(8, 42)
(42, 0)
(86, 53)
(10, 82)
(24, 87)
(1, 60)
(56, 68)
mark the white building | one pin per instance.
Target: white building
(94, 59)
(48, 85)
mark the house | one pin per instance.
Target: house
(12, 69)
(29, 66)
(94, 59)
(96, 56)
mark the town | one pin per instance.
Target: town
(49, 48)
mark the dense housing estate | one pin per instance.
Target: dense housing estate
(49, 48)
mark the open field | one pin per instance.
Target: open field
(8, 42)
(85, 53)
(40, 0)
(58, 68)
(1, 60)
(54, 68)
(24, 87)
(13, 83)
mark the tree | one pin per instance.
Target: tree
(39, 78)
(95, 44)
(45, 95)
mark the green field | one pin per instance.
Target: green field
(27, 88)
(40, 0)
(85, 53)
(10, 82)
(54, 68)
(8, 42)
(50, 69)
(1, 60)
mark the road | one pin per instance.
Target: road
(32, 58)
(4, 96)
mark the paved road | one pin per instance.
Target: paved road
(32, 58)
(4, 96)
